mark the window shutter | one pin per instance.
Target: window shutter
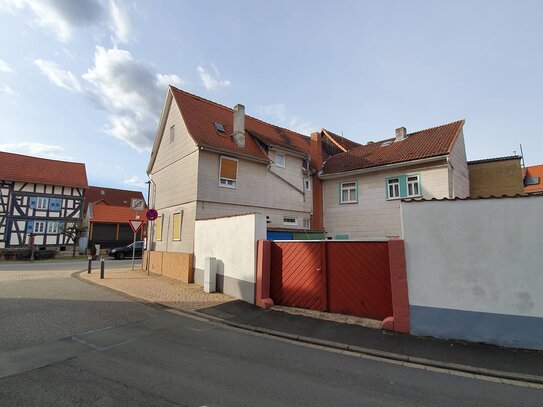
(29, 226)
(339, 192)
(33, 202)
(177, 222)
(403, 186)
(229, 168)
(356, 190)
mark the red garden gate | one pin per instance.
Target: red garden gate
(342, 277)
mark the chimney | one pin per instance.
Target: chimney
(239, 125)
(400, 134)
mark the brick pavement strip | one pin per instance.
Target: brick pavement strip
(153, 288)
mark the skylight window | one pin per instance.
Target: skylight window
(386, 143)
(219, 127)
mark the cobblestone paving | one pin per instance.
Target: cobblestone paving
(153, 288)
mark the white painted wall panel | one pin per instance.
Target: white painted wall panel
(374, 215)
(476, 255)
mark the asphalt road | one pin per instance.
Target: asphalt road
(66, 342)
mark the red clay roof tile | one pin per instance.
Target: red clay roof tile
(201, 114)
(102, 212)
(24, 168)
(421, 144)
(534, 171)
(111, 196)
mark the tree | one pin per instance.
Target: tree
(73, 231)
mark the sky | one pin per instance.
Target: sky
(86, 80)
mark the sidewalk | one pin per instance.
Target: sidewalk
(472, 358)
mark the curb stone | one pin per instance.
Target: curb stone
(396, 357)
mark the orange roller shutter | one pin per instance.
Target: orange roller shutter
(229, 168)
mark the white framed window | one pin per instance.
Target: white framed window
(158, 228)
(42, 203)
(177, 222)
(228, 172)
(393, 188)
(280, 160)
(413, 185)
(307, 184)
(172, 133)
(290, 221)
(307, 223)
(348, 192)
(39, 226)
(52, 227)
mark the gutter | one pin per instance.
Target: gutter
(383, 167)
(230, 153)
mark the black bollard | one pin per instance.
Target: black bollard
(102, 263)
(90, 265)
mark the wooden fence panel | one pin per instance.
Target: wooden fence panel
(296, 275)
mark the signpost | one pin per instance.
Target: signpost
(135, 224)
(137, 204)
(151, 215)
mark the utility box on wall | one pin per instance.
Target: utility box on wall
(210, 275)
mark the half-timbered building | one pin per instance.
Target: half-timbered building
(39, 196)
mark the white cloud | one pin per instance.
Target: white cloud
(277, 112)
(131, 91)
(120, 23)
(6, 90)
(4, 67)
(61, 16)
(209, 81)
(136, 182)
(37, 149)
(58, 76)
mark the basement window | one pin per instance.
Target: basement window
(228, 172)
(290, 221)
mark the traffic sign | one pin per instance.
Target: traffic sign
(135, 224)
(151, 214)
(137, 204)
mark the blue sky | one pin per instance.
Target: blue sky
(85, 80)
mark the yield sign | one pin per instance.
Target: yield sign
(135, 224)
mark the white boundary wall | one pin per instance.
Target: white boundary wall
(475, 269)
(233, 242)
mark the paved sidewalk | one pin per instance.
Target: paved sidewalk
(158, 289)
(472, 359)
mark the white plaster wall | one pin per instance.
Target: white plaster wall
(232, 241)
(374, 215)
(216, 209)
(475, 255)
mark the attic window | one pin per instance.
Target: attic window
(102, 192)
(531, 181)
(386, 143)
(219, 127)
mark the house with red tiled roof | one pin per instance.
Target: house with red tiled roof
(107, 212)
(210, 160)
(533, 179)
(362, 188)
(38, 198)
(499, 176)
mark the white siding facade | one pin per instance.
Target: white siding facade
(374, 215)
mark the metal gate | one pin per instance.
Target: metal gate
(342, 277)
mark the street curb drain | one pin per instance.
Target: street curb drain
(408, 361)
